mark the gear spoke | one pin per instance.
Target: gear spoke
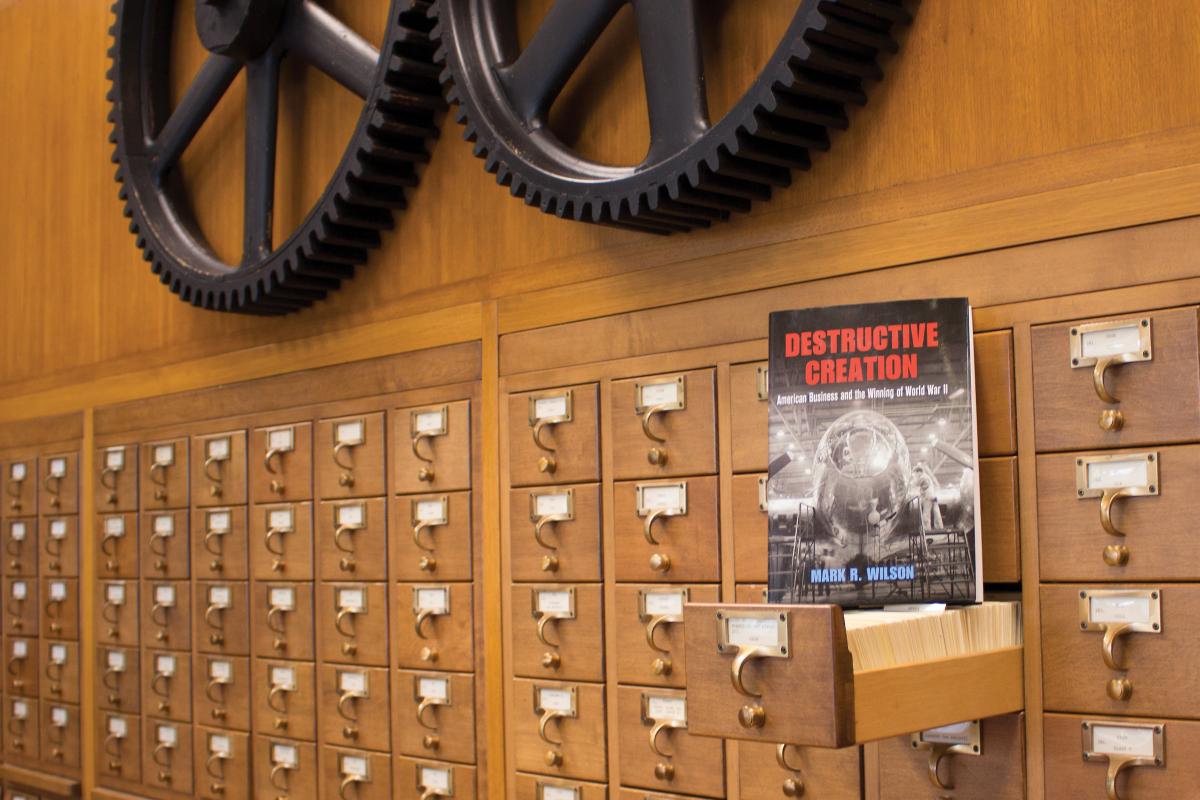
(561, 42)
(262, 121)
(210, 85)
(673, 68)
(325, 42)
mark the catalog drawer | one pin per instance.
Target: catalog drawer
(553, 436)
(657, 752)
(667, 530)
(558, 631)
(554, 533)
(664, 425)
(559, 729)
(908, 765)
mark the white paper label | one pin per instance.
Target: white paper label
(1111, 341)
(285, 754)
(118, 727)
(428, 421)
(283, 598)
(1120, 609)
(58, 591)
(354, 766)
(1121, 741)
(556, 504)
(958, 733)
(114, 458)
(349, 433)
(20, 590)
(559, 792)
(351, 598)
(164, 455)
(554, 602)
(435, 780)
(281, 439)
(164, 525)
(114, 527)
(658, 394)
(164, 595)
(1118, 474)
(58, 654)
(20, 648)
(546, 407)
(58, 468)
(17, 471)
(430, 511)
(284, 678)
(59, 716)
(220, 671)
(752, 631)
(167, 735)
(20, 709)
(433, 689)
(280, 519)
(219, 745)
(432, 600)
(116, 660)
(667, 708)
(219, 596)
(664, 604)
(555, 700)
(17, 531)
(218, 449)
(58, 529)
(218, 521)
(164, 665)
(352, 682)
(666, 497)
(350, 516)
(114, 594)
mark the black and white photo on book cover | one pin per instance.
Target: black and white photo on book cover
(872, 482)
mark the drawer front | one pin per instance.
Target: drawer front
(444, 641)
(553, 436)
(684, 548)
(348, 452)
(1073, 543)
(1068, 774)
(115, 486)
(167, 685)
(765, 771)
(222, 619)
(997, 772)
(20, 478)
(167, 614)
(219, 543)
(995, 395)
(748, 416)
(21, 606)
(167, 755)
(117, 613)
(60, 608)
(165, 544)
(285, 699)
(60, 671)
(432, 448)
(281, 542)
(749, 528)
(1001, 525)
(164, 474)
(221, 691)
(435, 715)
(339, 765)
(1156, 399)
(431, 534)
(351, 631)
(569, 747)
(1156, 667)
(118, 746)
(118, 679)
(21, 723)
(58, 484)
(60, 729)
(21, 546)
(21, 666)
(352, 540)
(222, 760)
(415, 778)
(219, 469)
(638, 609)
(60, 546)
(558, 631)
(355, 706)
(569, 547)
(117, 548)
(285, 768)
(280, 463)
(682, 441)
(281, 620)
(533, 787)
(658, 753)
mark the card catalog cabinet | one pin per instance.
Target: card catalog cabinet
(287, 595)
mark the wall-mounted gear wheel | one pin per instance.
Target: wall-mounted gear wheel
(402, 103)
(696, 171)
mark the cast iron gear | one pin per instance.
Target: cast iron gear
(695, 172)
(403, 101)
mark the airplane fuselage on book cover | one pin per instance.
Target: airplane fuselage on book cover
(872, 487)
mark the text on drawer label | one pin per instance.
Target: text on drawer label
(280, 519)
(555, 602)
(551, 504)
(664, 603)
(433, 689)
(355, 766)
(350, 515)
(550, 407)
(556, 700)
(349, 433)
(433, 779)
(282, 440)
(352, 682)
(666, 708)
(283, 598)
(1119, 740)
(433, 599)
(218, 521)
(354, 599)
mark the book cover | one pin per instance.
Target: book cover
(872, 489)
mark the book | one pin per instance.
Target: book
(872, 487)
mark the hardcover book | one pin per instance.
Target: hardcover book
(872, 490)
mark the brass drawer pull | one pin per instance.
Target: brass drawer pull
(548, 716)
(659, 727)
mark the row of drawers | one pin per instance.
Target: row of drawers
(48, 607)
(342, 457)
(49, 484)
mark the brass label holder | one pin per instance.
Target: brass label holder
(1123, 745)
(762, 382)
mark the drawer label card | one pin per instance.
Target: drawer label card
(114, 528)
(958, 733)
(743, 631)
(218, 449)
(1110, 342)
(433, 689)
(17, 530)
(283, 598)
(281, 440)
(59, 716)
(220, 596)
(219, 745)
(58, 468)
(660, 708)
(1125, 340)
(20, 590)
(661, 393)
(114, 594)
(285, 755)
(1119, 740)
(548, 792)
(1120, 609)
(284, 678)
(17, 471)
(430, 511)
(355, 766)
(349, 434)
(164, 525)
(218, 521)
(562, 700)
(118, 727)
(434, 599)
(20, 648)
(167, 735)
(220, 671)
(668, 499)
(1117, 474)
(116, 661)
(1136, 610)
(663, 603)
(280, 519)
(164, 455)
(58, 591)
(556, 602)
(429, 422)
(58, 529)
(164, 595)
(351, 599)
(353, 683)
(58, 654)
(164, 665)
(552, 504)
(20, 709)
(556, 407)
(435, 780)
(114, 459)
(351, 515)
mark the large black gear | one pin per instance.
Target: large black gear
(695, 172)
(403, 102)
